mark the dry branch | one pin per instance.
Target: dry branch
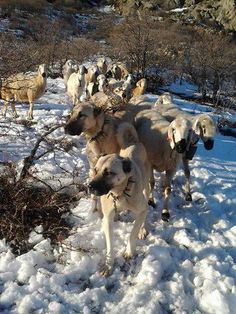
(28, 161)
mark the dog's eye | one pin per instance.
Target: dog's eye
(204, 129)
(107, 173)
(68, 117)
(173, 130)
(81, 115)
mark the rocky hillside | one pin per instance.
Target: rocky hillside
(218, 14)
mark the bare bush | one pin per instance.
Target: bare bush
(26, 201)
(210, 60)
(133, 41)
(24, 206)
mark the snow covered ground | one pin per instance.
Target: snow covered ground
(185, 266)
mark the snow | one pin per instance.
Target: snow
(185, 266)
(182, 87)
(106, 9)
(179, 10)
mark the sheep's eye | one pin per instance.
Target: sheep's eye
(204, 129)
(173, 130)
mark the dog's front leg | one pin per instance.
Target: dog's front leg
(139, 221)
(107, 224)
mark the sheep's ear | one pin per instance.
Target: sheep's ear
(171, 137)
(126, 164)
(197, 127)
(97, 111)
(84, 70)
(160, 100)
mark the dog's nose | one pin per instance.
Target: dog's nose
(66, 129)
(181, 146)
(92, 187)
(209, 144)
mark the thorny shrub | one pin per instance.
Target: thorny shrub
(26, 204)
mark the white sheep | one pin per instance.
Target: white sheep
(67, 71)
(24, 88)
(203, 128)
(98, 86)
(91, 75)
(76, 84)
(165, 143)
(124, 91)
(102, 65)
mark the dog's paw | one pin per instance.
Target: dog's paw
(127, 254)
(165, 215)
(106, 270)
(142, 233)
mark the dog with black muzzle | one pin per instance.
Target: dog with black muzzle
(100, 130)
(122, 182)
(165, 144)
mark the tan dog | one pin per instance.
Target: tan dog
(100, 130)
(122, 181)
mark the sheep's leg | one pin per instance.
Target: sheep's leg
(152, 184)
(4, 112)
(30, 113)
(165, 214)
(188, 196)
(13, 107)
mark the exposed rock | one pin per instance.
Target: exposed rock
(206, 12)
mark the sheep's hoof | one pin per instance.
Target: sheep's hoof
(152, 203)
(188, 197)
(165, 215)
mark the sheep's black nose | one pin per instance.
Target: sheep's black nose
(209, 144)
(181, 146)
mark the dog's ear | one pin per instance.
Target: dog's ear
(171, 136)
(126, 164)
(197, 127)
(97, 111)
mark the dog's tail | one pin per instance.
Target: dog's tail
(126, 135)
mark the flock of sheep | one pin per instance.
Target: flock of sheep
(124, 130)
